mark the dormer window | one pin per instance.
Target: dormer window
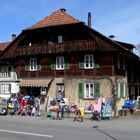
(30, 44)
(60, 39)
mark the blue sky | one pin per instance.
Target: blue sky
(120, 18)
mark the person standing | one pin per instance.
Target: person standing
(97, 107)
(59, 99)
(37, 106)
(59, 96)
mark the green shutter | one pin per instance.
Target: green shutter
(80, 90)
(53, 64)
(117, 90)
(66, 65)
(122, 90)
(96, 90)
(26, 67)
(118, 62)
(96, 64)
(81, 63)
(126, 87)
(38, 65)
(124, 67)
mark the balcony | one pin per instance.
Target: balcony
(72, 46)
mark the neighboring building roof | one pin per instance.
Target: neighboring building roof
(126, 45)
(4, 45)
(59, 17)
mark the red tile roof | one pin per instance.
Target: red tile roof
(59, 17)
(3, 45)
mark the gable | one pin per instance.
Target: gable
(59, 17)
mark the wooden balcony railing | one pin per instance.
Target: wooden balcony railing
(82, 45)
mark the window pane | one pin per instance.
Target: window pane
(5, 88)
(33, 64)
(60, 39)
(88, 61)
(89, 90)
(59, 62)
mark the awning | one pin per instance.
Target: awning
(35, 82)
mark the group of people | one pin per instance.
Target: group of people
(27, 103)
(96, 108)
(79, 111)
(24, 105)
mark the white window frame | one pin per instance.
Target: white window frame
(89, 90)
(60, 63)
(4, 71)
(60, 39)
(33, 64)
(5, 88)
(89, 61)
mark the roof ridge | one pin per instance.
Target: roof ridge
(59, 17)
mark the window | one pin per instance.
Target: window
(121, 90)
(33, 64)
(121, 62)
(30, 44)
(5, 88)
(4, 71)
(88, 90)
(60, 87)
(60, 63)
(88, 61)
(60, 39)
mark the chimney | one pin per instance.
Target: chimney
(63, 9)
(111, 36)
(13, 36)
(89, 19)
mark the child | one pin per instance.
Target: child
(33, 111)
(79, 114)
(82, 114)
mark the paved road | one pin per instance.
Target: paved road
(30, 128)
